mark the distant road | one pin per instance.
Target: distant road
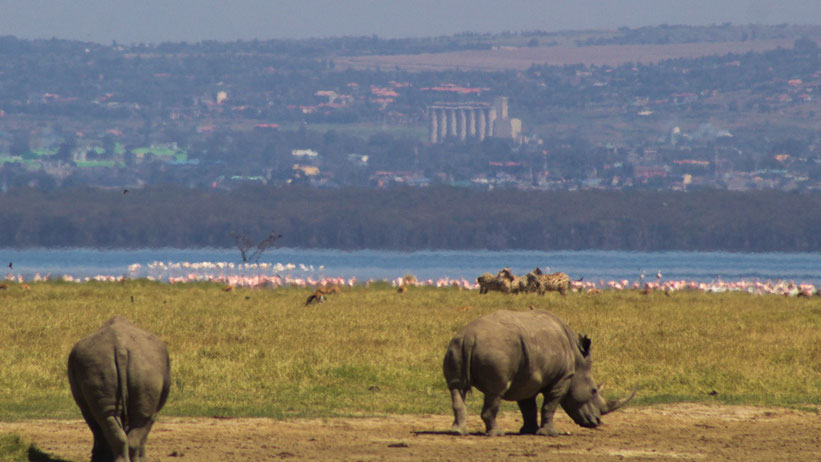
(520, 58)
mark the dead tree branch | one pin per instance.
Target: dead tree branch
(246, 245)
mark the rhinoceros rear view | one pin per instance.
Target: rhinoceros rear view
(119, 377)
(517, 355)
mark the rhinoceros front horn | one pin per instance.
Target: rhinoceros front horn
(612, 405)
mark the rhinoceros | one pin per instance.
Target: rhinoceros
(120, 377)
(517, 355)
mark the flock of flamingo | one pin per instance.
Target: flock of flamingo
(262, 275)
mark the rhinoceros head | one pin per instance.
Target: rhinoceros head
(583, 401)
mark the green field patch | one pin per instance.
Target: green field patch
(14, 448)
(97, 163)
(162, 151)
(44, 152)
(373, 351)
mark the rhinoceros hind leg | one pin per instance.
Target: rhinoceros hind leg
(529, 416)
(100, 449)
(459, 412)
(136, 441)
(490, 408)
(116, 439)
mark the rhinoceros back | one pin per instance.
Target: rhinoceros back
(510, 352)
(119, 359)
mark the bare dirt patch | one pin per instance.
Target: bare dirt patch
(664, 432)
(520, 58)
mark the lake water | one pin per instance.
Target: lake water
(592, 265)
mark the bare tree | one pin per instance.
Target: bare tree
(249, 250)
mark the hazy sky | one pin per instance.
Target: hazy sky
(154, 21)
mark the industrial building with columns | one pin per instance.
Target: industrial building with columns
(472, 121)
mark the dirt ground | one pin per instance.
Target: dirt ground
(664, 432)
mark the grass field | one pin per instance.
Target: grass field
(521, 58)
(373, 351)
(14, 448)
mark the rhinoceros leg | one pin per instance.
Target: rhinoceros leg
(459, 411)
(140, 422)
(490, 408)
(100, 449)
(100, 445)
(551, 402)
(116, 439)
(110, 441)
(136, 441)
(529, 415)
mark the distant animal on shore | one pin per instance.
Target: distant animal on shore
(518, 284)
(539, 282)
(516, 356)
(488, 282)
(120, 377)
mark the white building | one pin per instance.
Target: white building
(472, 120)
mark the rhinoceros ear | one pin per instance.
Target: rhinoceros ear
(584, 344)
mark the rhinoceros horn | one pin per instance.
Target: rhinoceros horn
(612, 405)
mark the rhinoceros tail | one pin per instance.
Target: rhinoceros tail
(121, 364)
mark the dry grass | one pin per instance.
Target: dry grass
(374, 351)
(521, 58)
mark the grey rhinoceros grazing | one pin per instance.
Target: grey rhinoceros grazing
(517, 355)
(120, 377)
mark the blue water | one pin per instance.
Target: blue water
(373, 264)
